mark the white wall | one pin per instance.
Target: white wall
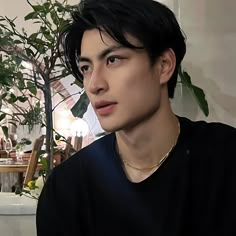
(211, 54)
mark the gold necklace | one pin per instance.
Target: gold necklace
(157, 165)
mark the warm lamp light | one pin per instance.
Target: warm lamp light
(79, 128)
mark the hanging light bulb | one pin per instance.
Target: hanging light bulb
(79, 127)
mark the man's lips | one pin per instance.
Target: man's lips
(102, 104)
(104, 108)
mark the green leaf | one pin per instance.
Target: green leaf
(12, 98)
(21, 84)
(39, 41)
(54, 17)
(27, 142)
(3, 95)
(47, 35)
(19, 75)
(32, 15)
(37, 8)
(41, 49)
(201, 100)
(29, 52)
(197, 92)
(5, 131)
(46, 6)
(185, 78)
(18, 41)
(22, 99)
(33, 36)
(2, 116)
(60, 7)
(44, 163)
(32, 88)
(58, 136)
(64, 73)
(81, 106)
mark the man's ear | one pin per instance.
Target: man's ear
(167, 62)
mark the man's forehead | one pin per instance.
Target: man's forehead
(101, 38)
(95, 42)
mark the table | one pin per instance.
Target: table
(10, 165)
(12, 154)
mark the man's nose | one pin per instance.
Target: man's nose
(97, 83)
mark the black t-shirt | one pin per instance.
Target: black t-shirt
(192, 193)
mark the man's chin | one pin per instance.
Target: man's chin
(110, 128)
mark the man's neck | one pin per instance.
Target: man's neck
(147, 143)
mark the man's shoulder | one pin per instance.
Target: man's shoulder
(98, 147)
(98, 150)
(208, 130)
(211, 140)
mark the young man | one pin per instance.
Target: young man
(155, 173)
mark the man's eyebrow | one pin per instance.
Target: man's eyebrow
(101, 55)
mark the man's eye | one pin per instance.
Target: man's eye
(112, 60)
(84, 69)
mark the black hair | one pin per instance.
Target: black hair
(151, 22)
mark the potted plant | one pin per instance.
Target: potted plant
(39, 51)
